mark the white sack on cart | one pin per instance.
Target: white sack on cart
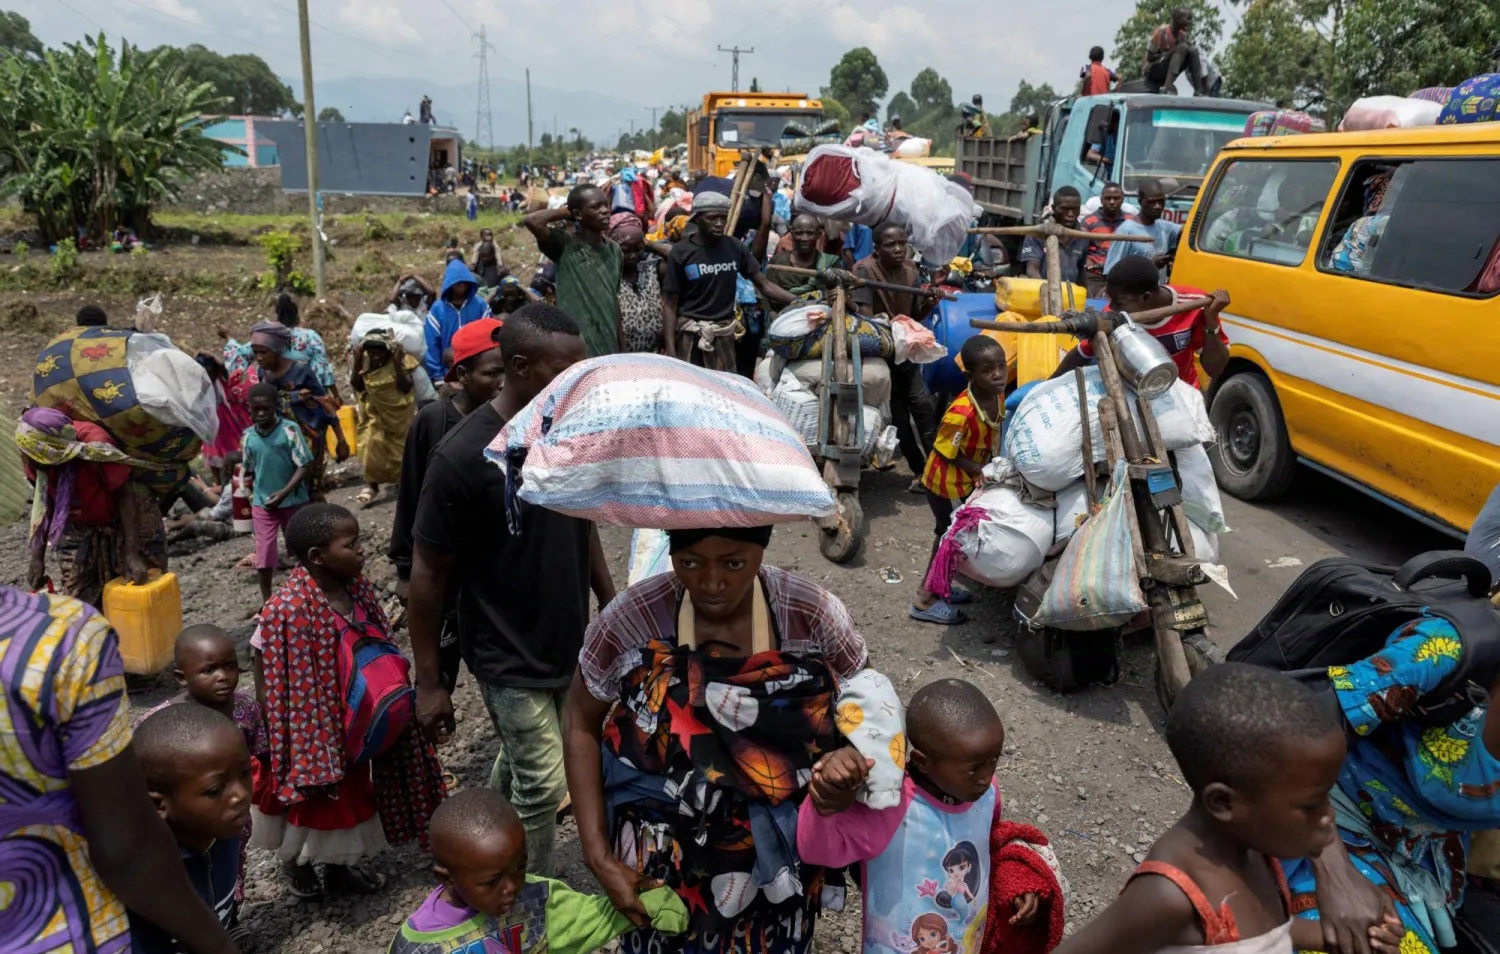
(1044, 437)
(1200, 490)
(799, 405)
(1008, 545)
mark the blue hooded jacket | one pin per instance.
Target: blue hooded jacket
(444, 320)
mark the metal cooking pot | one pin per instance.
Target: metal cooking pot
(1144, 363)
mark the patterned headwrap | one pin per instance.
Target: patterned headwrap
(624, 226)
(273, 335)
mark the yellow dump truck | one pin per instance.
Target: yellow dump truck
(730, 122)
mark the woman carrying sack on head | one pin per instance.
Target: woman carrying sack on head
(681, 786)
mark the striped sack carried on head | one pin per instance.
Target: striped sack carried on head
(643, 440)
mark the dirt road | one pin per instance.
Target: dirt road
(1089, 769)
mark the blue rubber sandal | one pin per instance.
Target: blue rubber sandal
(941, 613)
(959, 595)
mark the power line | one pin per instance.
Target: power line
(459, 16)
(735, 82)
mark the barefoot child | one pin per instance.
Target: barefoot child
(1260, 754)
(967, 438)
(208, 669)
(926, 862)
(276, 457)
(486, 897)
(345, 783)
(381, 374)
(198, 773)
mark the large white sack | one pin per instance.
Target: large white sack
(1200, 491)
(914, 148)
(1390, 112)
(799, 322)
(405, 326)
(798, 404)
(1009, 545)
(171, 386)
(1205, 544)
(1044, 438)
(875, 378)
(935, 212)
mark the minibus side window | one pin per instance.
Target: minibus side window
(1432, 224)
(1266, 209)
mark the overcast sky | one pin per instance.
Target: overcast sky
(654, 52)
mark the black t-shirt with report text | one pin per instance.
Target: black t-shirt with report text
(703, 277)
(522, 599)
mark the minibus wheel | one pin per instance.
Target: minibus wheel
(1253, 457)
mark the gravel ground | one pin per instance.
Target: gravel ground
(1089, 769)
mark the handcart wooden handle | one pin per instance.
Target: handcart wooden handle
(1062, 328)
(1052, 228)
(865, 282)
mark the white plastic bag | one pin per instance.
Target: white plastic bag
(875, 420)
(1200, 491)
(147, 311)
(405, 326)
(1390, 112)
(1072, 506)
(935, 212)
(914, 342)
(798, 404)
(1009, 544)
(763, 375)
(1044, 438)
(797, 323)
(171, 386)
(1205, 544)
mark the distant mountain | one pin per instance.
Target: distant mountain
(378, 99)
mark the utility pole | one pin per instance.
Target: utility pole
(310, 133)
(734, 85)
(484, 121)
(528, 115)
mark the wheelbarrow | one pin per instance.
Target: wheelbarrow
(1158, 522)
(840, 449)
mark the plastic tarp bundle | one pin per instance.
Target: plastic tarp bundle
(405, 326)
(874, 336)
(871, 188)
(644, 440)
(1095, 584)
(87, 374)
(1044, 438)
(1390, 112)
(1282, 122)
(1008, 543)
(915, 342)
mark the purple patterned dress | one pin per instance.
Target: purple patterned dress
(65, 710)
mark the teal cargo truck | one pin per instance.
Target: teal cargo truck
(1088, 142)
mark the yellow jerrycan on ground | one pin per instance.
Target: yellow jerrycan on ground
(147, 619)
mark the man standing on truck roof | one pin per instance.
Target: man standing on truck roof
(1171, 51)
(1107, 220)
(1097, 79)
(1148, 221)
(1066, 204)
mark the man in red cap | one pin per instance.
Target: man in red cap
(474, 377)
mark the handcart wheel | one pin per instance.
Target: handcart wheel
(1201, 653)
(842, 543)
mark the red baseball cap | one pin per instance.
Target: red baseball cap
(476, 337)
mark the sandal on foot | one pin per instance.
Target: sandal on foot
(347, 879)
(915, 487)
(302, 881)
(959, 595)
(940, 613)
(366, 498)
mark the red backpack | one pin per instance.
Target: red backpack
(379, 701)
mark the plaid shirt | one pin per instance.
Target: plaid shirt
(805, 619)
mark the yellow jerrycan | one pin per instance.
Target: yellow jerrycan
(147, 619)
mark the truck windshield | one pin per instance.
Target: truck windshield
(1176, 145)
(765, 128)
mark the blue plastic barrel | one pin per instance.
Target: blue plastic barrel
(949, 322)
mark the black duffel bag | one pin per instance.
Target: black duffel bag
(1340, 611)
